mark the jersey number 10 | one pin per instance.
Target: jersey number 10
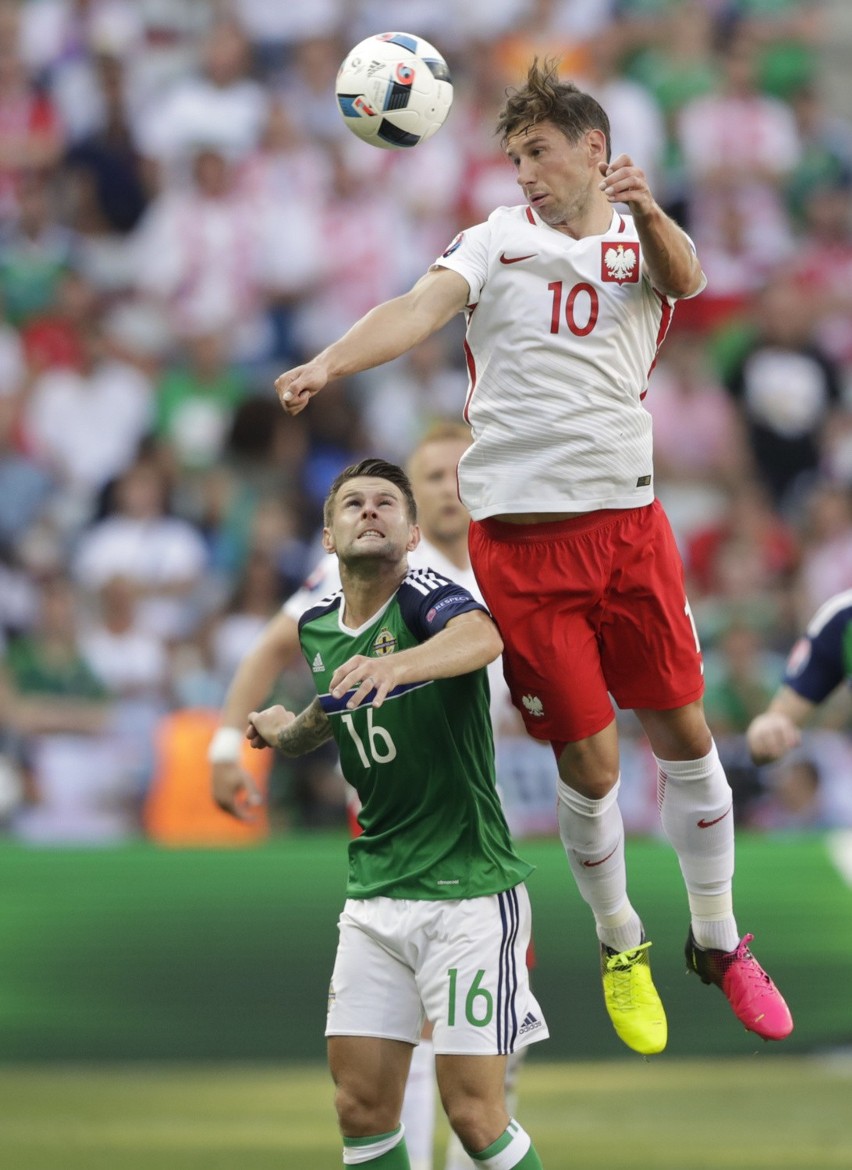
(570, 320)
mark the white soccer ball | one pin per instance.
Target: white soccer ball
(394, 90)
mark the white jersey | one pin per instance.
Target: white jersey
(561, 337)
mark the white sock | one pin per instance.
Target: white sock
(696, 810)
(418, 1106)
(592, 833)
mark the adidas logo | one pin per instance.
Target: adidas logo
(529, 1025)
(318, 665)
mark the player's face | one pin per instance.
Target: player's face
(370, 520)
(558, 178)
(433, 468)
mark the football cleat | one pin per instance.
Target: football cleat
(756, 1001)
(631, 999)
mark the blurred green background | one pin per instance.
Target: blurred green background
(139, 953)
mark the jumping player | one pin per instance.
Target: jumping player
(567, 301)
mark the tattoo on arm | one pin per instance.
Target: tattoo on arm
(308, 730)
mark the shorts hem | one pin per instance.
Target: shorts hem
(370, 1035)
(656, 704)
(522, 1042)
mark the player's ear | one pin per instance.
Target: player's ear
(413, 538)
(328, 541)
(596, 142)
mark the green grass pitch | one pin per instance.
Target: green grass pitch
(742, 1113)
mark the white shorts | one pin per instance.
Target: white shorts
(461, 964)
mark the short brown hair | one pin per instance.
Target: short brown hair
(545, 98)
(372, 469)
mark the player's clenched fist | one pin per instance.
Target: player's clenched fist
(771, 735)
(264, 727)
(296, 387)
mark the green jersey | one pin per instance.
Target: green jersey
(423, 763)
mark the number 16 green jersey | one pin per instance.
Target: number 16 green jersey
(422, 763)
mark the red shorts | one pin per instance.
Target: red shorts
(589, 607)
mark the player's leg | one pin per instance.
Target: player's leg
(474, 982)
(369, 1076)
(545, 584)
(652, 662)
(375, 1018)
(457, 1157)
(696, 808)
(592, 832)
(472, 1093)
(418, 1105)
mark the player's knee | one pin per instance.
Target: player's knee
(361, 1112)
(476, 1123)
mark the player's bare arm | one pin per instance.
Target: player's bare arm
(466, 643)
(292, 735)
(772, 734)
(386, 332)
(232, 787)
(671, 262)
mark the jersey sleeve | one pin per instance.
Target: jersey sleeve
(816, 663)
(467, 255)
(427, 608)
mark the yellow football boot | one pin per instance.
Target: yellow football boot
(631, 999)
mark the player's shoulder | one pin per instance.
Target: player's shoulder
(322, 607)
(510, 215)
(832, 617)
(423, 580)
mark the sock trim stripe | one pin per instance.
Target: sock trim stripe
(374, 1139)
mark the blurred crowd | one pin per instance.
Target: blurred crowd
(183, 214)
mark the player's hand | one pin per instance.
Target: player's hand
(622, 182)
(264, 727)
(770, 736)
(234, 790)
(295, 388)
(364, 676)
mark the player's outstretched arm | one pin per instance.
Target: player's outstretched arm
(466, 643)
(233, 789)
(292, 735)
(386, 332)
(772, 734)
(672, 264)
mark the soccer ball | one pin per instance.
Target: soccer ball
(394, 90)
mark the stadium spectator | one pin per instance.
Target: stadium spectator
(787, 389)
(85, 425)
(749, 167)
(222, 105)
(30, 132)
(80, 786)
(162, 555)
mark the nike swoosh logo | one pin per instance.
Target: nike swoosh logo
(702, 824)
(504, 259)
(592, 864)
